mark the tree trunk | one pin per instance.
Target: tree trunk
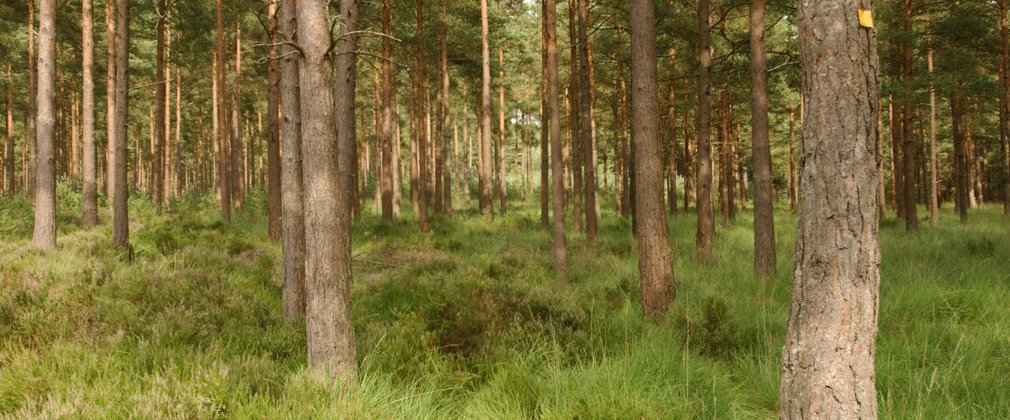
(486, 203)
(502, 181)
(237, 153)
(45, 176)
(9, 152)
(544, 126)
(347, 153)
(32, 104)
(159, 113)
(934, 189)
(422, 160)
(386, 125)
(1004, 101)
(725, 161)
(574, 119)
(89, 217)
(706, 219)
(559, 246)
(671, 155)
(327, 263)
(960, 161)
(828, 360)
(120, 197)
(792, 159)
(908, 136)
(625, 152)
(764, 193)
(292, 200)
(657, 281)
(586, 122)
(273, 130)
(224, 158)
(446, 192)
(897, 173)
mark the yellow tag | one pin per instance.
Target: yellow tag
(865, 18)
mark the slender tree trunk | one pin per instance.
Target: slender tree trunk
(657, 281)
(792, 159)
(764, 193)
(706, 219)
(671, 154)
(45, 176)
(486, 203)
(89, 217)
(544, 126)
(908, 136)
(625, 152)
(502, 181)
(347, 153)
(688, 178)
(110, 96)
(386, 126)
(725, 164)
(273, 130)
(292, 199)
(446, 165)
(327, 260)
(960, 161)
(586, 122)
(934, 189)
(32, 104)
(897, 177)
(224, 158)
(120, 216)
(574, 120)
(559, 246)
(9, 152)
(831, 375)
(159, 113)
(1004, 101)
(422, 153)
(237, 152)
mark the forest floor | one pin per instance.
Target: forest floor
(468, 323)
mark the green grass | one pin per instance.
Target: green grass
(468, 323)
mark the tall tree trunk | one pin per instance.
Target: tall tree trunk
(292, 198)
(446, 165)
(957, 112)
(687, 165)
(347, 153)
(327, 260)
(110, 89)
(1004, 101)
(224, 158)
(273, 130)
(120, 216)
(908, 136)
(574, 121)
(422, 154)
(45, 176)
(502, 181)
(32, 104)
(764, 193)
(386, 126)
(625, 152)
(9, 152)
(671, 155)
(657, 281)
(544, 126)
(89, 215)
(897, 173)
(837, 273)
(706, 219)
(586, 122)
(237, 152)
(792, 159)
(486, 203)
(934, 189)
(725, 161)
(159, 113)
(559, 247)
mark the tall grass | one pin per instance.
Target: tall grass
(468, 323)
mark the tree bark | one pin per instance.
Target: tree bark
(224, 158)
(9, 152)
(120, 216)
(292, 199)
(559, 247)
(544, 127)
(275, 227)
(908, 136)
(502, 181)
(671, 155)
(45, 176)
(586, 122)
(161, 93)
(386, 126)
(327, 262)
(706, 219)
(486, 203)
(89, 216)
(934, 190)
(345, 88)
(657, 281)
(764, 193)
(1004, 101)
(32, 103)
(446, 192)
(237, 173)
(828, 360)
(422, 159)
(957, 112)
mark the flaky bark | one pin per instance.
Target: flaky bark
(327, 283)
(45, 175)
(120, 216)
(653, 244)
(292, 200)
(559, 247)
(764, 193)
(703, 121)
(828, 360)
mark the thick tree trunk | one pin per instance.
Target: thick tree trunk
(657, 282)
(120, 216)
(327, 261)
(273, 130)
(828, 360)
(89, 216)
(45, 176)
(292, 199)
(764, 193)
(586, 122)
(559, 247)
(706, 219)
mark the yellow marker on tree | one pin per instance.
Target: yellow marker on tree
(865, 18)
